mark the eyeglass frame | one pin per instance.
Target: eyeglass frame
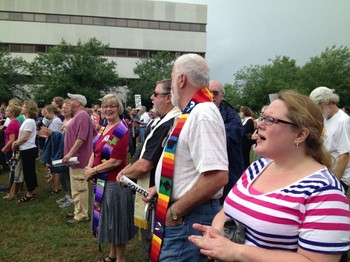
(215, 92)
(109, 106)
(273, 120)
(155, 94)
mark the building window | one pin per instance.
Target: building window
(110, 22)
(52, 18)
(185, 27)
(40, 18)
(102, 21)
(164, 25)
(110, 52)
(16, 16)
(28, 49)
(28, 17)
(75, 19)
(143, 53)
(122, 52)
(40, 48)
(121, 22)
(132, 53)
(4, 16)
(99, 21)
(64, 19)
(132, 23)
(195, 27)
(87, 20)
(142, 24)
(154, 25)
(152, 53)
(174, 26)
(15, 48)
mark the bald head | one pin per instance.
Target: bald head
(217, 91)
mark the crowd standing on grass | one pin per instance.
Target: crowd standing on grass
(192, 152)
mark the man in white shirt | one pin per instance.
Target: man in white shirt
(337, 131)
(144, 119)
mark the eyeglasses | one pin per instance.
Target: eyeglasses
(269, 121)
(110, 106)
(215, 93)
(155, 93)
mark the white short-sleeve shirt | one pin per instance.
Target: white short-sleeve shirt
(201, 147)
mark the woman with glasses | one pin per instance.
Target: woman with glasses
(113, 209)
(292, 206)
(27, 148)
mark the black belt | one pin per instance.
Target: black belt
(210, 202)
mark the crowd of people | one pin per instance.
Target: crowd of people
(192, 154)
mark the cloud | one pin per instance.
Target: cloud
(249, 32)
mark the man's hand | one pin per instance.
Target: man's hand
(120, 174)
(66, 158)
(152, 192)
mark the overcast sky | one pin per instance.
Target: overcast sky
(249, 32)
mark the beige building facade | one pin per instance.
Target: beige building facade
(133, 29)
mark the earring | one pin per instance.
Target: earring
(297, 145)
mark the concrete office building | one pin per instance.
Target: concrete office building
(134, 29)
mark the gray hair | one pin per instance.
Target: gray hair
(166, 85)
(195, 68)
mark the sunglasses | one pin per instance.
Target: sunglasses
(155, 93)
(215, 93)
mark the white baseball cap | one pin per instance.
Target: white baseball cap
(80, 98)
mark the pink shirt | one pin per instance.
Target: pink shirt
(80, 127)
(12, 128)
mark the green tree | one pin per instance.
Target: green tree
(232, 95)
(75, 69)
(255, 83)
(150, 70)
(332, 69)
(13, 76)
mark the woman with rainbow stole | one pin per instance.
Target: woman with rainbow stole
(113, 214)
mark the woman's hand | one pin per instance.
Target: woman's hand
(90, 172)
(213, 245)
(44, 132)
(15, 145)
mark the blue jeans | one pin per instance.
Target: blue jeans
(142, 134)
(176, 246)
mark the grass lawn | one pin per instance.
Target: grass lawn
(37, 230)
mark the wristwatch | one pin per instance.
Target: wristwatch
(173, 214)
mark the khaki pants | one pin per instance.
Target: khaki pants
(80, 193)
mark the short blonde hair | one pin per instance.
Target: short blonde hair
(113, 99)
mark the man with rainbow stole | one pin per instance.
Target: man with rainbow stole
(193, 168)
(143, 168)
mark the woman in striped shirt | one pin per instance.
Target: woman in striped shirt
(293, 207)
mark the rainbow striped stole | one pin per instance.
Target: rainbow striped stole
(167, 172)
